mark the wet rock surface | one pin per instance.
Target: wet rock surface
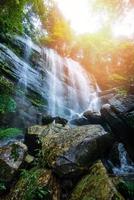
(119, 115)
(11, 158)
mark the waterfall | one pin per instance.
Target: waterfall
(126, 165)
(27, 53)
(70, 89)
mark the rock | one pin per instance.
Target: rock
(35, 184)
(129, 119)
(96, 185)
(114, 121)
(60, 120)
(32, 138)
(114, 156)
(107, 92)
(49, 119)
(71, 150)
(29, 159)
(119, 115)
(93, 117)
(131, 89)
(121, 105)
(79, 121)
(11, 158)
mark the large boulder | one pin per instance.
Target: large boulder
(119, 114)
(11, 158)
(122, 104)
(35, 184)
(96, 185)
(72, 150)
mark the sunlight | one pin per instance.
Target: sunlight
(81, 15)
(83, 19)
(124, 26)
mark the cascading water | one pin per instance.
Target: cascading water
(27, 52)
(126, 165)
(70, 88)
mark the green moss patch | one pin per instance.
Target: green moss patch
(9, 132)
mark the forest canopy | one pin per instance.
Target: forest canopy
(110, 49)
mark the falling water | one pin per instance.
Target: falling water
(126, 165)
(27, 53)
(70, 88)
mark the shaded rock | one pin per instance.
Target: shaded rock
(11, 158)
(93, 117)
(79, 121)
(131, 89)
(35, 184)
(115, 122)
(119, 116)
(129, 119)
(120, 104)
(32, 138)
(114, 156)
(49, 119)
(60, 120)
(71, 150)
(96, 185)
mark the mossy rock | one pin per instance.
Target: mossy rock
(69, 150)
(35, 184)
(11, 158)
(96, 186)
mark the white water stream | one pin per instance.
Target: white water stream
(126, 165)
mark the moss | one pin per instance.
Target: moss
(36, 99)
(6, 86)
(32, 185)
(9, 132)
(96, 186)
(7, 104)
(126, 188)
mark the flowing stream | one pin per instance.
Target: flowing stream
(126, 165)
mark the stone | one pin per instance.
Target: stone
(129, 119)
(11, 158)
(96, 185)
(93, 117)
(32, 138)
(79, 121)
(49, 119)
(35, 184)
(29, 159)
(71, 150)
(122, 104)
(119, 115)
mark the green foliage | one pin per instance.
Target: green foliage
(126, 189)
(9, 132)
(14, 152)
(11, 13)
(7, 104)
(6, 86)
(34, 190)
(2, 186)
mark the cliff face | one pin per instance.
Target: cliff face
(21, 83)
